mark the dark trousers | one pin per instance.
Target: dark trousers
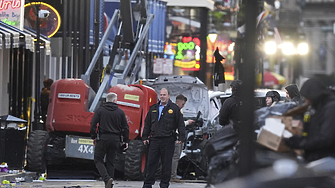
(159, 148)
(109, 148)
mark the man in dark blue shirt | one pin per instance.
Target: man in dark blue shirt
(161, 122)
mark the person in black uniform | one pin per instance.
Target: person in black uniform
(112, 124)
(229, 112)
(161, 122)
(318, 140)
(293, 94)
(272, 98)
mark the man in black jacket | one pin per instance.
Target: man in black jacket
(229, 112)
(293, 94)
(161, 122)
(112, 124)
(319, 138)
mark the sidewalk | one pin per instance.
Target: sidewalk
(61, 183)
(11, 177)
(99, 184)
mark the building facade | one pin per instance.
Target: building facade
(318, 18)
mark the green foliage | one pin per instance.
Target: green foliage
(218, 14)
(218, 17)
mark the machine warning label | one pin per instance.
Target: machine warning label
(79, 147)
(132, 97)
(85, 141)
(68, 96)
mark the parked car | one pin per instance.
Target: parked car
(260, 96)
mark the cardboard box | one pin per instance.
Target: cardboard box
(269, 140)
(286, 120)
(284, 126)
(293, 126)
(271, 135)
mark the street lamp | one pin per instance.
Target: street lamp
(212, 35)
(40, 14)
(168, 31)
(37, 111)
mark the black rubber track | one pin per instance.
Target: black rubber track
(133, 160)
(36, 145)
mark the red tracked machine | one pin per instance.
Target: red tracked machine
(72, 103)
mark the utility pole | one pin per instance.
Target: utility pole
(37, 112)
(247, 150)
(203, 44)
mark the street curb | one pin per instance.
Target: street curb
(11, 177)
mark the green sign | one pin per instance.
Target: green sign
(182, 49)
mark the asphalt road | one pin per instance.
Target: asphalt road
(100, 184)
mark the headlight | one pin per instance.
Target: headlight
(288, 48)
(270, 47)
(303, 48)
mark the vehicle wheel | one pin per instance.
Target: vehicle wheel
(135, 160)
(36, 146)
